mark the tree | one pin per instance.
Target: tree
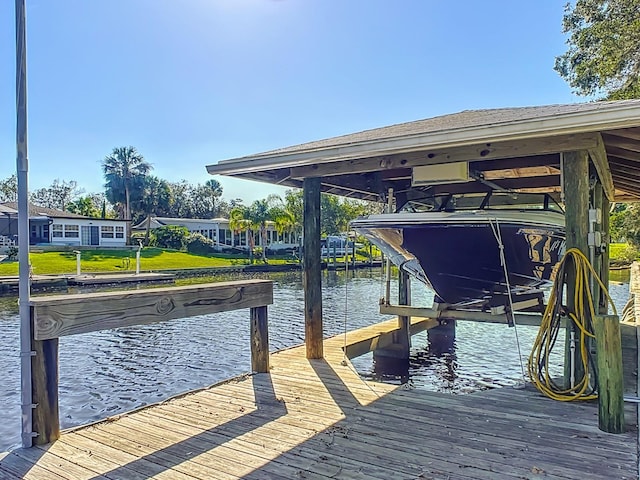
(180, 206)
(603, 55)
(155, 196)
(121, 170)
(84, 206)
(57, 196)
(240, 221)
(204, 199)
(9, 189)
(253, 219)
(631, 225)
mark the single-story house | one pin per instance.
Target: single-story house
(48, 226)
(220, 233)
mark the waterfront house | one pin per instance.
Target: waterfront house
(49, 226)
(221, 234)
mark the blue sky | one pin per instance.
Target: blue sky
(191, 82)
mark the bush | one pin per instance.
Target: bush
(198, 244)
(628, 254)
(12, 253)
(139, 237)
(171, 236)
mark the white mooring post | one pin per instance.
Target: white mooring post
(78, 261)
(138, 259)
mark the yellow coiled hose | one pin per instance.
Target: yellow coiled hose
(538, 364)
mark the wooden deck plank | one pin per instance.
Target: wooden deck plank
(60, 466)
(320, 420)
(281, 436)
(91, 455)
(408, 401)
(13, 466)
(480, 435)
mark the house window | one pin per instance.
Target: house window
(119, 232)
(106, 231)
(57, 230)
(71, 231)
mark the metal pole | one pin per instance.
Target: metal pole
(138, 259)
(387, 293)
(22, 167)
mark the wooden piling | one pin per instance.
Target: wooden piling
(575, 174)
(259, 340)
(44, 394)
(610, 380)
(404, 298)
(312, 269)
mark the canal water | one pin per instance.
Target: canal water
(103, 373)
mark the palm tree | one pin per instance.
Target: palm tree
(155, 197)
(254, 219)
(214, 191)
(240, 221)
(120, 169)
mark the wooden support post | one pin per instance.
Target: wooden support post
(44, 385)
(575, 174)
(312, 269)
(259, 340)
(404, 297)
(610, 381)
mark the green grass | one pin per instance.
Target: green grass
(48, 263)
(623, 253)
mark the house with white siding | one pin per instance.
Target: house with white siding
(220, 233)
(48, 226)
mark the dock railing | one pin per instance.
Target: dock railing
(61, 315)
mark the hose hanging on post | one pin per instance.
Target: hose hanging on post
(538, 364)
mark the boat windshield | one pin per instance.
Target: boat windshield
(483, 201)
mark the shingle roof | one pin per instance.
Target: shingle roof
(36, 211)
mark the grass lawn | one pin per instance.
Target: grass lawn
(622, 253)
(46, 263)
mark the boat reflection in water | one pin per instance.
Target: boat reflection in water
(473, 248)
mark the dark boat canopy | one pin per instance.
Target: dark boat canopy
(471, 151)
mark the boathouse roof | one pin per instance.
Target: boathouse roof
(516, 148)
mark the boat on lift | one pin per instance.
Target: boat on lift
(480, 248)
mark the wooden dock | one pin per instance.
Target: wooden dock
(317, 419)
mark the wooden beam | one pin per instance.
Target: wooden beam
(362, 341)
(633, 133)
(312, 283)
(551, 159)
(599, 158)
(627, 183)
(621, 142)
(625, 166)
(624, 154)
(478, 152)
(465, 315)
(60, 315)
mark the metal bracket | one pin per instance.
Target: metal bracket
(32, 353)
